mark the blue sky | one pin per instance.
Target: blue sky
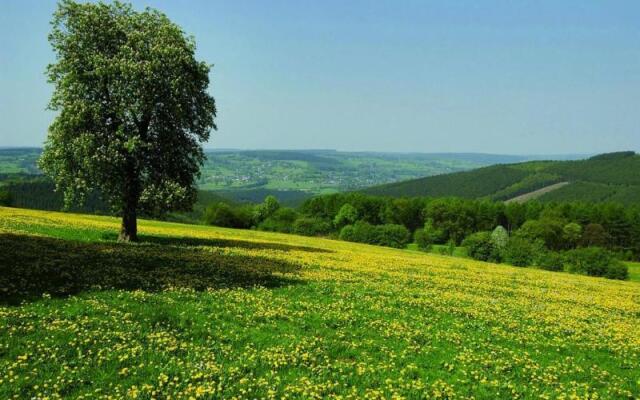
(493, 76)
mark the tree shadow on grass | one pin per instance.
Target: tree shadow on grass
(31, 266)
(218, 242)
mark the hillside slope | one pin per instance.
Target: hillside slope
(356, 322)
(606, 177)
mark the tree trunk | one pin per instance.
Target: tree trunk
(129, 228)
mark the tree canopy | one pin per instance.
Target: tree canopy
(133, 110)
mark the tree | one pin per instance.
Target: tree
(133, 110)
(480, 246)
(571, 234)
(594, 235)
(265, 210)
(500, 237)
(346, 216)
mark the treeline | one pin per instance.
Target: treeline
(531, 233)
(37, 192)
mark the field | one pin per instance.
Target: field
(190, 315)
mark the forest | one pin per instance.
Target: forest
(554, 236)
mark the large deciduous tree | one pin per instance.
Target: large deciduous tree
(133, 110)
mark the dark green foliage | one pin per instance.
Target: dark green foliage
(472, 184)
(404, 211)
(551, 261)
(571, 234)
(594, 235)
(549, 231)
(523, 252)
(347, 215)
(312, 226)
(37, 192)
(132, 110)
(390, 235)
(456, 218)
(480, 246)
(265, 210)
(281, 220)
(595, 192)
(608, 177)
(31, 265)
(5, 197)
(595, 261)
(428, 236)
(225, 215)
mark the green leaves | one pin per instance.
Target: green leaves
(133, 107)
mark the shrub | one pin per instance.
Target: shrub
(222, 214)
(596, 261)
(312, 226)
(281, 220)
(5, 198)
(422, 239)
(551, 261)
(362, 232)
(617, 270)
(392, 235)
(522, 252)
(384, 235)
(480, 246)
(428, 236)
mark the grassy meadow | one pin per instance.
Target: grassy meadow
(201, 312)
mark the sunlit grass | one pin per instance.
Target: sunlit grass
(357, 321)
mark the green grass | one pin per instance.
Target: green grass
(183, 314)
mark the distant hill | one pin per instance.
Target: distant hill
(605, 177)
(294, 175)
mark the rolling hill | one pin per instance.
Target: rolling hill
(189, 313)
(250, 175)
(605, 177)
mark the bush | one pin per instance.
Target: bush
(480, 246)
(522, 252)
(222, 214)
(551, 261)
(5, 198)
(390, 235)
(428, 236)
(281, 220)
(596, 261)
(422, 239)
(312, 226)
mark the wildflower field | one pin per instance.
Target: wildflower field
(200, 312)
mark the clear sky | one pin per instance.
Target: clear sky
(491, 76)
